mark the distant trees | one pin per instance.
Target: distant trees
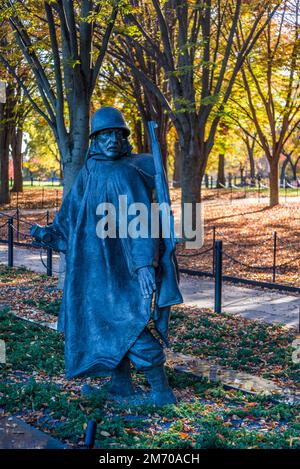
(58, 43)
(41, 153)
(198, 47)
(194, 66)
(271, 81)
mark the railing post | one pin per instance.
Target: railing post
(49, 262)
(285, 190)
(214, 256)
(274, 255)
(218, 277)
(10, 242)
(18, 224)
(90, 434)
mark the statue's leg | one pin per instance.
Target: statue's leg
(161, 393)
(121, 383)
(147, 355)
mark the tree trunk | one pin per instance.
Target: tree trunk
(4, 164)
(73, 153)
(250, 150)
(221, 171)
(252, 167)
(294, 170)
(73, 147)
(17, 160)
(191, 177)
(138, 135)
(273, 177)
(5, 130)
(283, 170)
(242, 174)
(177, 165)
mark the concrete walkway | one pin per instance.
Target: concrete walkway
(251, 303)
(16, 434)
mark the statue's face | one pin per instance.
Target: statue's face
(110, 142)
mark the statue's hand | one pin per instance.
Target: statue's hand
(146, 277)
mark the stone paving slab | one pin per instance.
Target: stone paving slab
(251, 303)
(16, 434)
(30, 258)
(232, 378)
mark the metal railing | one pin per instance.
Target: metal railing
(274, 243)
(11, 233)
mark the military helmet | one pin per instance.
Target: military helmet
(108, 118)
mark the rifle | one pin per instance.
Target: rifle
(46, 236)
(169, 293)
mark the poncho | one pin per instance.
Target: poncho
(103, 311)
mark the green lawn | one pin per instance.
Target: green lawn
(234, 342)
(208, 416)
(37, 184)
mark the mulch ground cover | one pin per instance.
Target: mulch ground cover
(247, 232)
(34, 388)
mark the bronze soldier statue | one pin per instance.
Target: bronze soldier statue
(112, 284)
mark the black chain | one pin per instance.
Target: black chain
(195, 254)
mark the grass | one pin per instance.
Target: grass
(51, 307)
(235, 342)
(34, 388)
(48, 184)
(31, 347)
(208, 416)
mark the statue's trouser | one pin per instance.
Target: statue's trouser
(146, 352)
(147, 355)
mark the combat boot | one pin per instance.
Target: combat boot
(161, 393)
(121, 383)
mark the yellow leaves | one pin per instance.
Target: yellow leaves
(292, 439)
(250, 405)
(183, 435)
(221, 437)
(132, 431)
